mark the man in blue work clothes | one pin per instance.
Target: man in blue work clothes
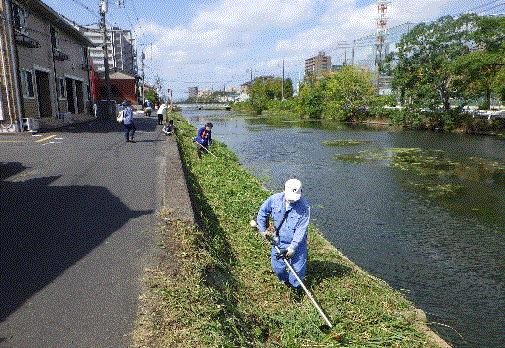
(203, 139)
(290, 214)
(128, 123)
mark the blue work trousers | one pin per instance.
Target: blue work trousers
(298, 261)
(129, 131)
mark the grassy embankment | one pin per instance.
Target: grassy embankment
(216, 289)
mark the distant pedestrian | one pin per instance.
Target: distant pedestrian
(203, 139)
(128, 122)
(148, 109)
(161, 113)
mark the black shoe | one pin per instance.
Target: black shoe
(132, 141)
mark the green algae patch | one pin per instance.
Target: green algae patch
(342, 143)
(421, 162)
(216, 288)
(440, 190)
(434, 163)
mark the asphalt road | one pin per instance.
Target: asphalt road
(77, 209)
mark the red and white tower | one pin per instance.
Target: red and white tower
(382, 20)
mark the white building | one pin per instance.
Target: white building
(120, 51)
(318, 66)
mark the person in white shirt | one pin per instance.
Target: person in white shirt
(161, 112)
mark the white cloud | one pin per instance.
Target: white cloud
(226, 38)
(246, 15)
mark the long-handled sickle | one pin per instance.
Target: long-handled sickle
(205, 148)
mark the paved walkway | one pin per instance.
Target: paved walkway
(78, 209)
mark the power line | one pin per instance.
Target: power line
(482, 5)
(127, 16)
(135, 12)
(492, 8)
(86, 8)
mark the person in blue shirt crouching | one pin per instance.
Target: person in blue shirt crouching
(203, 139)
(290, 215)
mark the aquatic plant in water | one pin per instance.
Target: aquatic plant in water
(435, 166)
(345, 142)
(440, 190)
(422, 162)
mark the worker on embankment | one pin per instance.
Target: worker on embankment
(290, 214)
(203, 139)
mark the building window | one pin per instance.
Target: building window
(62, 88)
(27, 84)
(19, 17)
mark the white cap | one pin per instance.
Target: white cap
(293, 190)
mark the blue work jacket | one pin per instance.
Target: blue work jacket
(128, 115)
(204, 137)
(293, 232)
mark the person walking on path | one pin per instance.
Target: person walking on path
(203, 139)
(290, 214)
(161, 113)
(128, 122)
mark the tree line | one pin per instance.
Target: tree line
(436, 70)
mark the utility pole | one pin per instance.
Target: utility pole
(142, 58)
(103, 11)
(282, 89)
(352, 55)
(17, 106)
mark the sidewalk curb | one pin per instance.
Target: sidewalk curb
(175, 199)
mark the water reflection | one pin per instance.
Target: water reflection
(430, 221)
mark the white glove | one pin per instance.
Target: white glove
(289, 252)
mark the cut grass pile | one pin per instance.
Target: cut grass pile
(215, 287)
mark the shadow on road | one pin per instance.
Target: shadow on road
(46, 229)
(8, 169)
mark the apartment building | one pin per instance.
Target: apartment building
(318, 66)
(120, 51)
(44, 72)
(192, 92)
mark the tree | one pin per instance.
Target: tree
(268, 88)
(309, 102)
(499, 84)
(348, 94)
(421, 66)
(345, 95)
(489, 33)
(151, 95)
(475, 74)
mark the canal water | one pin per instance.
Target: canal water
(423, 211)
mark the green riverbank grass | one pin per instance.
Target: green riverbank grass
(216, 289)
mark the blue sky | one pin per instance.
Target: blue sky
(212, 44)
